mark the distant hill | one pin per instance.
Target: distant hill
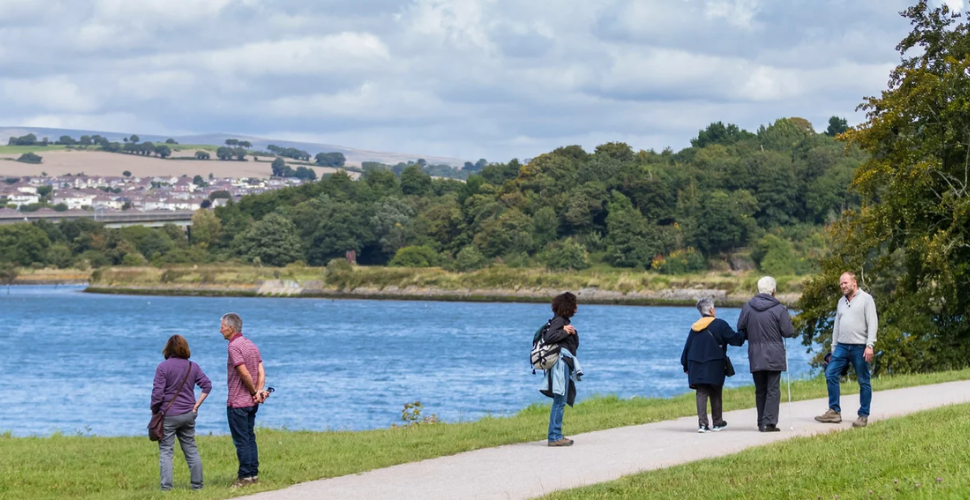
(354, 156)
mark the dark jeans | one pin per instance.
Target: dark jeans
(767, 396)
(845, 354)
(713, 392)
(242, 425)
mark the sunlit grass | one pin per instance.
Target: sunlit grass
(924, 455)
(63, 466)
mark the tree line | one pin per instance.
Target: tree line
(739, 199)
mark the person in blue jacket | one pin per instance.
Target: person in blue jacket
(705, 362)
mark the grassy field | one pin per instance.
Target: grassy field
(19, 150)
(742, 285)
(924, 455)
(63, 466)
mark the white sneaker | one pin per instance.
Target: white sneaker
(703, 429)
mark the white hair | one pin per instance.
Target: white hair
(704, 306)
(767, 285)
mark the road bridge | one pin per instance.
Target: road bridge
(181, 218)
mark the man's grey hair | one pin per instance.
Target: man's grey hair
(767, 285)
(233, 320)
(705, 306)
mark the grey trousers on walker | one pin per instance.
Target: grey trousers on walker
(767, 395)
(182, 426)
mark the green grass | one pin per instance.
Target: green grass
(63, 466)
(923, 455)
(19, 150)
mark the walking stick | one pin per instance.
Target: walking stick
(788, 371)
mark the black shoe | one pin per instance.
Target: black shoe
(769, 428)
(719, 427)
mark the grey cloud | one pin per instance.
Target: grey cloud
(466, 78)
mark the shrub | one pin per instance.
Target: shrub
(415, 256)
(470, 258)
(133, 260)
(565, 254)
(681, 261)
(338, 266)
(29, 158)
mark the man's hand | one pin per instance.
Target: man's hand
(569, 329)
(868, 355)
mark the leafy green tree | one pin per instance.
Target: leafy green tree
(565, 254)
(60, 256)
(66, 140)
(163, 151)
(170, 141)
(331, 159)
(155, 243)
(837, 126)
(510, 232)
(23, 244)
(631, 240)
(907, 242)
(418, 256)
(273, 240)
(719, 133)
(414, 181)
(279, 167)
(305, 173)
(126, 173)
(199, 181)
(206, 228)
(726, 221)
(470, 258)
(30, 158)
(202, 155)
(134, 139)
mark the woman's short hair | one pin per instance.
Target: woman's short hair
(564, 305)
(177, 347)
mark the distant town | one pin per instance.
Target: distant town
(123, 193)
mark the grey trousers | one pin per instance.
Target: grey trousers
(705, 391)
(767, 395)
(182, 426)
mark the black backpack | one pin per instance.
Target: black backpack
(543, 355)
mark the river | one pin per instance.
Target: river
(81, 363)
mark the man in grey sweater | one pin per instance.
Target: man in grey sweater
(853, 337)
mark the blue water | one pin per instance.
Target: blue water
(84, 363)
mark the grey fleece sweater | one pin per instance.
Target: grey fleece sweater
(856, 321)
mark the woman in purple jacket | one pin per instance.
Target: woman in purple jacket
(174, 394)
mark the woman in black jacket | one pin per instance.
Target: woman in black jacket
(562, 333)
(705, 361)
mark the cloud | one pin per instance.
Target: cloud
(465, 78)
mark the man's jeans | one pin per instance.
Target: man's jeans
(843, 355)
(555, 417)
(182, 426)
(242, 425)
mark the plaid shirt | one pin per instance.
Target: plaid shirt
(241, 352)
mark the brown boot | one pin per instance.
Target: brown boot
(561, 442)
(830, 417)
(861, 421)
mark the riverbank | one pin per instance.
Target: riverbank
(498, 284)
(79, 466)
(28, 276)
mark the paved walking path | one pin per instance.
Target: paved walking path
(532, 469)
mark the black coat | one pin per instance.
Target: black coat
(705, 351)
(764, 322)
(557, 335)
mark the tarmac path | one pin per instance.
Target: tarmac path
(533, 469)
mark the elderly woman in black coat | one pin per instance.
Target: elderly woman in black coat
(705, 362)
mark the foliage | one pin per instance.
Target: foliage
(29, 158)
(470, 258)
(565, 254)
(330, 159)
(681, 261)
(273, 240)
(206, 228)
(908, 242)
(416, 256)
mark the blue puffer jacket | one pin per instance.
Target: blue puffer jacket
(706, 350)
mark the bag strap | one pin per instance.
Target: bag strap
(179, 391)
(720, 343)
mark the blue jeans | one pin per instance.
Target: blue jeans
(242, 425)
(555, 417)
(843, 355)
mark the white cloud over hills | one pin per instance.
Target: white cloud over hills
(459, 78)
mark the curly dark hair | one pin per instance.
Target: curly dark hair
(177, 347)
(564, 305)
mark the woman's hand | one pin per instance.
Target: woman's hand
(569, 329)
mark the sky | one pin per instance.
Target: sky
(469, 79)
